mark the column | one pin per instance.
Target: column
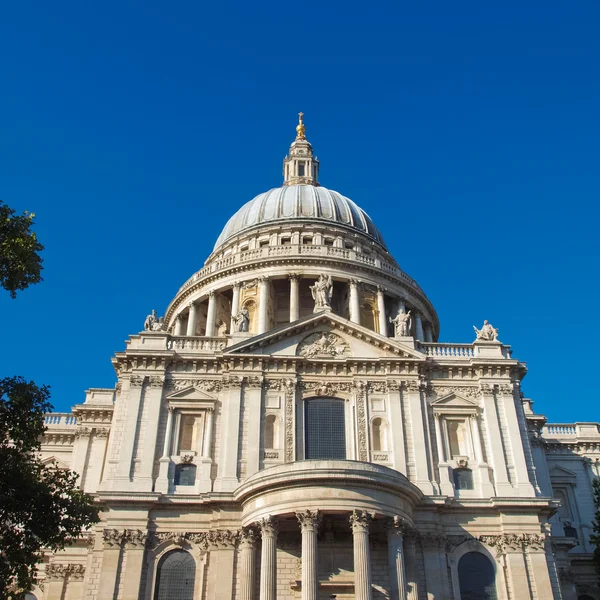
(412, 571)
(207, 443)
(248, 541)
(268, 559)
(227, 479)
(487, 489)
(134, 398)
(294, 297)
(211, 314)
(354, 302)
(309, 525)
(419, 327)
(148, 444)
(395, 536)
(428, 332)
(263, 304)
(362, 556)
(444, 469)
(381, 310)
(191, 324)
(178, 325)
(168, 433)
(235, 306)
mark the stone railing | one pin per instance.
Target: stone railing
(342, 254)
(197, 344)
(447, 350)
(574, 430)
(60, 420)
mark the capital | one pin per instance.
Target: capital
(360, 521)
(248, 538)
(396, 526)
(211, 294)
(309, 519)
(293, 276)
(268, 526)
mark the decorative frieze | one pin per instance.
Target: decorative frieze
(290, 393)
(271, 454)
(361, 416)
(63, 571)
(254, 382)
(136, 381)
(460, 390)
(205, 540)
(204, 385)
(156, 382)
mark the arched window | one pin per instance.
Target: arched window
(175, 576)
(325, 429)
(463, 479)
(379, 434)
(271, 431)
(185, 474)
(476, 577)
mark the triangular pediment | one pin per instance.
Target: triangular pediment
(454, 400)
(59, 464)
(189, 393)
(324, 336)
(560, 473)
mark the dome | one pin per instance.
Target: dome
(300, 203)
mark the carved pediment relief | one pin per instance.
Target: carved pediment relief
(323, 344)
(190, 394)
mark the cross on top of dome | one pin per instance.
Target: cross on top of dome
(301, 167)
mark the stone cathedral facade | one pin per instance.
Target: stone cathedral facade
(294, 428)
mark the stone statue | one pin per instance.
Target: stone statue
(401, 323)
(153, 322)
(487, 333)
(242, 320)
(222, 329)
(322, 291)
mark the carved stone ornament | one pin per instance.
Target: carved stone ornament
(83, 432)
(360, 520)
(289, 428)
(361, 411)
(382, 457)
(101, 432)
(506, 389)
(232, 381)
(156, 382)
(487, 333)
(464, 391)
(248, 537)
(136, 381)
(396, 525)
(205, 540)
(268, 454)
(62, 571)
(254, 381)
(309, 519)
(323, 345)
(113, 537)
(322, 292)
(204, 385)
(326, 388)
(187, 458)
(135, 537)
(268, 526)
(154, 323)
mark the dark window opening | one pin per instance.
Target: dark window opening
(175, 576)
(476, 577)
(463, 479)
(325, 429)
(185, 474)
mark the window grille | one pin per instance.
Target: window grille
(476, 577)
(175, 576)
(325, 429)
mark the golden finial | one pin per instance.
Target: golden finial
(300, 129)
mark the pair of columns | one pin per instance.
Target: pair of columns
(309, 524)
(192, 321)
(354, 304)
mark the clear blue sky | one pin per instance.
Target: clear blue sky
(469, 131)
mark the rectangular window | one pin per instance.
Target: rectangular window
(300, 169)
(263, 243)
(328, 242)
(325, 429)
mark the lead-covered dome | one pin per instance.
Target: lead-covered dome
(300, 203)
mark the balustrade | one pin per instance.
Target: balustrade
(60, 419)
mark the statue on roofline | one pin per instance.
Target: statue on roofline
(487, 333)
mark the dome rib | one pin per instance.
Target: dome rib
(299, 202)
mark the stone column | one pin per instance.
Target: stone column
(263, 304)
(207, 443)
(191, 324)
(148, 451)
(419, 328)
(412, 571)
(428, 332)
(381, 309)
(309, 525)
(178, 325)
(268, 559)
(294, 297)
(362, 556)
(354, 302)
(168, 432)
(395, 535)
(211, 314)
(248, 541)
(235, 306)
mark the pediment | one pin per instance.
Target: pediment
(454, 403)
(189, 394)
(324, 336)
(59, 464)
(558, 473)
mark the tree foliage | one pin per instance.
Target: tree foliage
(595, 537)
(41, 507)
(20, 262)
